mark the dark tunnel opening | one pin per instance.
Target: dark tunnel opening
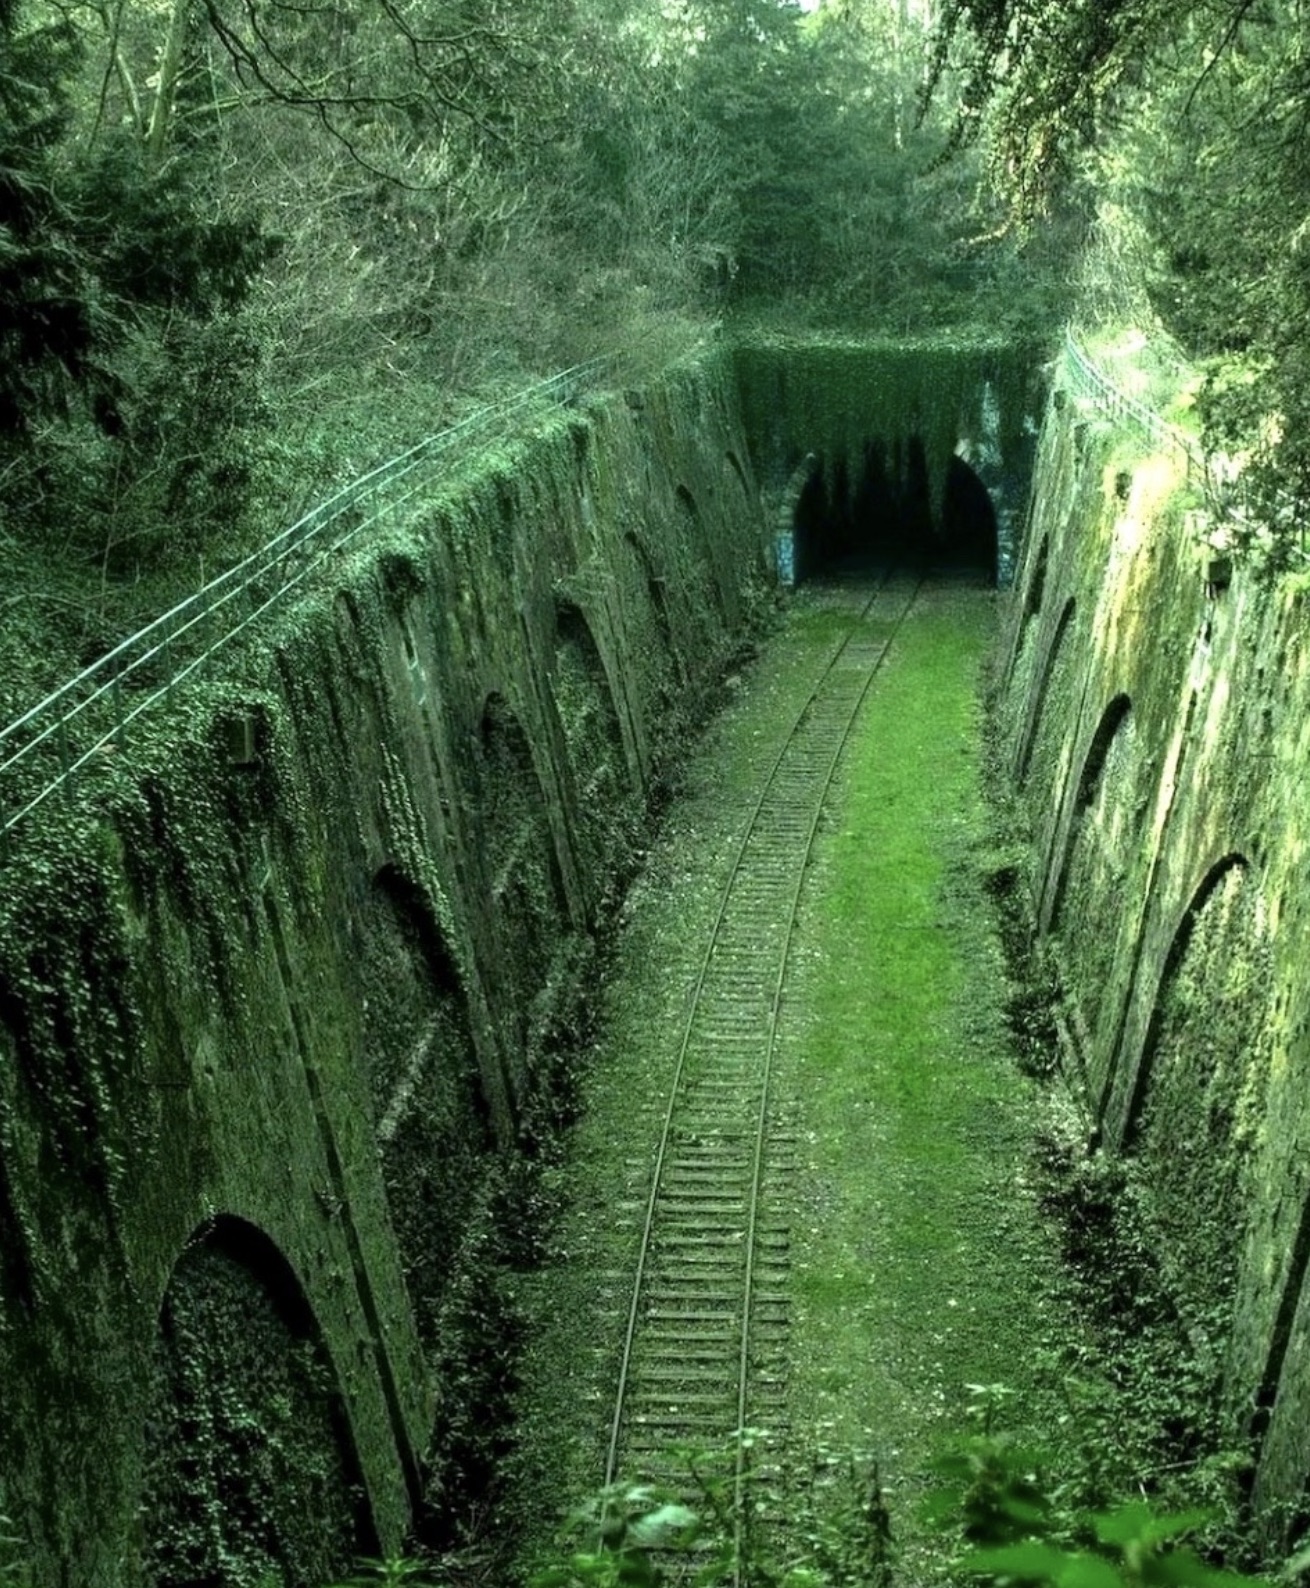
(847, 523)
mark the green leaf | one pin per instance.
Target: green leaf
(1125, 1526)
(660, 1527)
(1185, 1567)
(1032, 1512)
(1163, 1527)
(1088, 1571)
(1028, 1562)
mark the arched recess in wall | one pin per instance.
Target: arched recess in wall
(250, 1469)
(1198, 1090)
(523, 871)
(432, 1115)
(590, 720)
(695, 537)
(659, 614)
(1052, 693)
(734, 463)
(18, 1264)
(1035, 594)
(1099, 848)
(1101, 821)
(1019, 663)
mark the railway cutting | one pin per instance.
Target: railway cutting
(705, 1349)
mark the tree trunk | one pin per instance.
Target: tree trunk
(170, 69)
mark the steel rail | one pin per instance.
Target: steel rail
(819, 793)
(103, 681)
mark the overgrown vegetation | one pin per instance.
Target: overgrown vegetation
(250, 247)
(1182, 128)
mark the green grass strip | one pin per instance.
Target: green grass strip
(916, 1255)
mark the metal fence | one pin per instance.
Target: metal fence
(1086, 380)
(1277, 520)
(85, 718)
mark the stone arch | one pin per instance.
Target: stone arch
(432, 1113)
(587, 711)
(700, 546)
(1023, 633)
(659, 608)
(1195, 1106)
(1036, 591)
(250, 1465)
(734, 463)
(1277, 1406)
(1098, 812)
(1054, 677)
(873, 505)
(1223, 877)
(809, 513)
(406, 969)
(524, 879)
(1094, 848)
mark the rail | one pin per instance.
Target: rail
(1229, 503)
(709, 1266)
(84, 717)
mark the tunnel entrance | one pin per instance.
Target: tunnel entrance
(886, 512)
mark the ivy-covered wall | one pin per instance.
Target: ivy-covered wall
(882, 419)
(1157, 723)
(287, 994)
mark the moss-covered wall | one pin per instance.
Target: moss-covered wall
(1158, 726)
(847, 402)
(292, 965)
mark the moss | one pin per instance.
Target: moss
(832, 396)
(211, 1005)
(249, 1468)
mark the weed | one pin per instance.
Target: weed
(15, 1572)
(838, 1536)
(1002, 1501)
(378, 1572)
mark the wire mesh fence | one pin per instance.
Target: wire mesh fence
(43, 750)
(1086, 380)
(1234, 514)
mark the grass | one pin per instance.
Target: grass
(920, 1266)
(920, 1263)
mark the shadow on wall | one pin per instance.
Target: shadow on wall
(886, 512)
(251, 1471)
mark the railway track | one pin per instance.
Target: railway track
(705, 1346)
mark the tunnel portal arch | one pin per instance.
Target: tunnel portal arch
(876, 509)
(969, 524)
